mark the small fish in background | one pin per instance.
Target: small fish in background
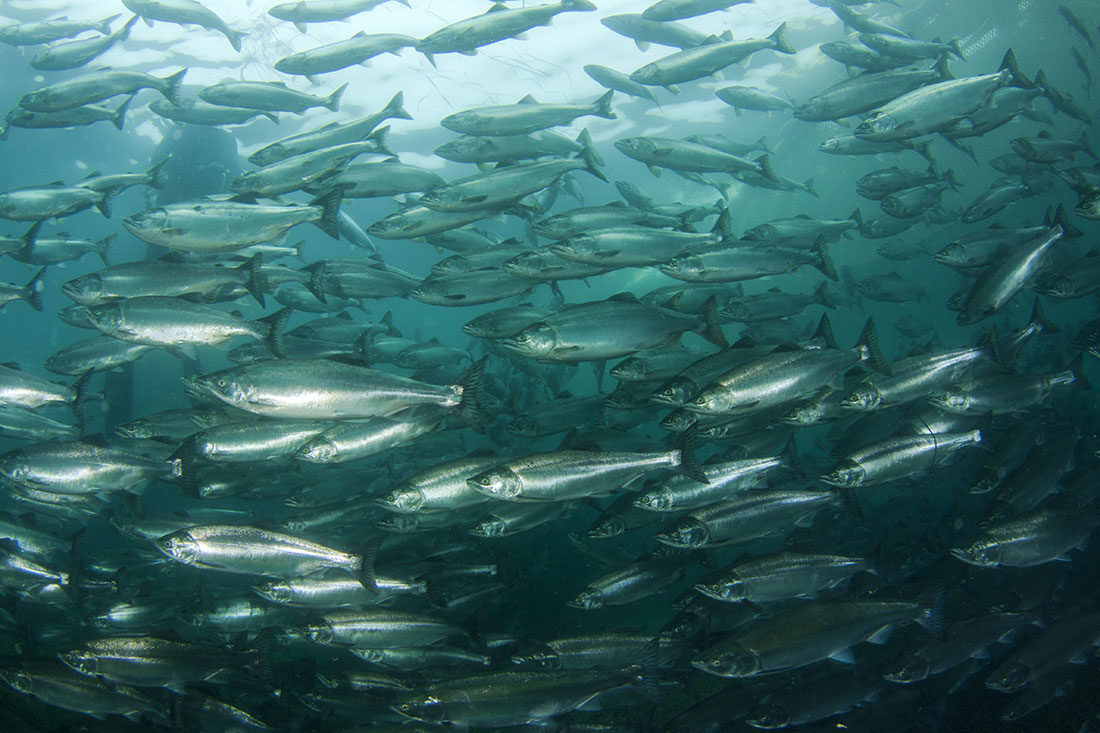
(535, 435)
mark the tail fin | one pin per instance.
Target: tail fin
(1060, 219)
(722, 225)
(104, 26)
(688, 463)
(380, 137)
(1039, 318)
(602, 106)
(942, 69)
(763, 143)
(1075, 366)
(821, 293)
(124, 31)
(235, 38)
(578, 5)
(789, 457)
(104, 204)
(1084, 140)
(826, 264)
(333, 101)
(118, 117)
(955, 49)
(869, 339)
(713, 330)
(766, 170)
(103, 248)
(32, 291)
(779, 38)
(469, 407)
(395, 108)
(275, 323)
(824, 332)
(330, 212)
(171, 90)
(951, 180)
(1009, 64)
(592, 159)
(255, 283)
(808, 187)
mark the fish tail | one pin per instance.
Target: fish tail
(1009, 64)
(824, 332)
(333, 101)
(1060, 219)
(395, 108)
(118, 117)
(1074, 373)
(592, 159)
(275, 324)
(104, 26)
(688, 463)
(712, 329)
(602, 106)
(171, 87)
(32, 291)
(330, 214)
(380, 138)
(469, 407)
(1039, 318)
(256, 282)
(235, 38)
(103, 248)
(826, 264)
(577, 5)
(868, 339)
(779, 38)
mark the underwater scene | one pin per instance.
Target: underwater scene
(566, 365)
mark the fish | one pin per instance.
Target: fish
(708, 58)
(1031, 539)
(48, 31)
(302, 12)
(524, 117)
(618, 81)
(263, 96)
(97, 86)
(645, 32)
(357, 50)
(496, 24)
(73, 54)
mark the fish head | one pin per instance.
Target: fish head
(982, 553)
(149, 221)
(633, 146)
(374, 656)
(1022, 147)
(319, 450)
(290, 525)
(845, 474)
(953, 254)
(711, 401)
(180, 546)
(770, 716)
(15, 466)
(587, 599)
(611, 526)
(684, 265)
(863, 397)
(221, 385)
(876, 125)
(648, 74)
(524, 426)
(688, 534)
(535, 341)
(319, 633)
(403, 501)
(500, 482)
(399, 523)
(84, 290)
(542, 657)
(1056, 285)
(139, 428)
(954, 399)
(107, 318)
(735, 311)
(491, 527)
(582, 245)
(736, 662)
(276, 592)
(893, 206)
(1088, 207)
(621, 399)
(658, 500)
(808, 413)
(728, 591)
(270, 154)
(465, 149)
(629, 370)
(1009, 680)
(82, 661)
(676, 391)
(18, 680)
(424, 708)
(465, 120)
(914, 670)
(811, 109)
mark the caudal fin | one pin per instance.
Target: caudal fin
(469, 407)
(32, 291)
(275, 324)
(333, 101)
(395, 108)
(255, 283)
(602, 106)
(118, 117)
(826, 262)
(171, 87)
(329, 222)
(779, 38)
(712, 330)
(688, 463)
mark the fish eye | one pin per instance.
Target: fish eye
(222, 383)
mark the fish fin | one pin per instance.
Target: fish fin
(844, 656)
(329, 222)
(256, 282)
(32, 291)
(395, 109)
(868, 339)
(602, 106)
(688, 465)
(333, 101)
(826, 265)
(469, 407)
(882, 636)
(366, 575)
(275, 323)
(712, 327)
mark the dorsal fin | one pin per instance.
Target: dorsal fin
(529, 99)
(626, 297)
(1045, 134)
